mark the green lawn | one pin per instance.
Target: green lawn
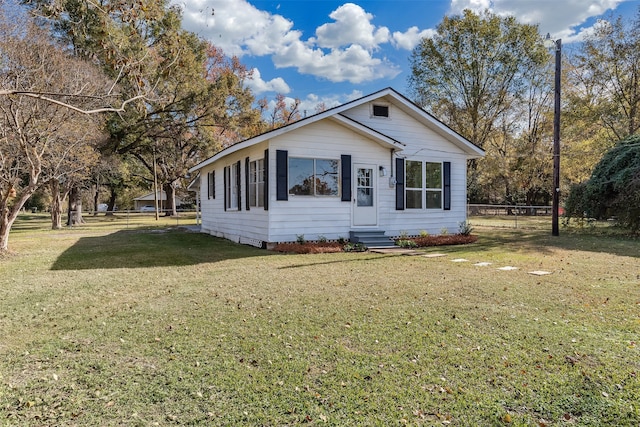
(117, 323)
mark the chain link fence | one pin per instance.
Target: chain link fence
(509, 216)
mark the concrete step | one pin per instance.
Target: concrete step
(371, 238)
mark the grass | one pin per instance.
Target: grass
(152, 325)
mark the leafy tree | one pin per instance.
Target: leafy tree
(607, 77)
(614, 187)
(486, 77)
(41, 132)
(194, 100)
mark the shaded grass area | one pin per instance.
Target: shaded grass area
(105, 326)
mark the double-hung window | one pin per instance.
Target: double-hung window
(423, 185)
(256, 183)
(314, 177)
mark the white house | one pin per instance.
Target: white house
(149, 200)
(379, 165)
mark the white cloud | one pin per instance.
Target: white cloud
(410, 38)
(457, 6)
(258, 86)
(341, 51)
(354, 64)
(349, 46)
(561, 18)
(352, 26)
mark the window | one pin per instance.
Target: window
(434, 185)
(211, 185)
(313, 177)
(232, 186)
(256, 183)
(413, 184)
(380, 110)
(423, 185)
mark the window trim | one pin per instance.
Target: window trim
(424, 190)
(256, 179)
(232, 200)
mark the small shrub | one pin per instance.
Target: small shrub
(465, 228)
(406, 243)
(444, 231)
(404, 234)
(342, 240)
(424, 233)
(300, 239)
(322, 239)
(354, 247)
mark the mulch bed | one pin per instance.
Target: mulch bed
(309, 247)
(443, 240)
(331, 247)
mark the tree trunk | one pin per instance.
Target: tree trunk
(111, 206)
(75, 207)
(56, 205)
(8, 214)
(5, 226)
(96, 199)
(170, 191)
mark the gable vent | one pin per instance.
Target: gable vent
(380, 110)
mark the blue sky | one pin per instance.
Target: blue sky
(334, 51)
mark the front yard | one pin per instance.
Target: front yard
(104, 325)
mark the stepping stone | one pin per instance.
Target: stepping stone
(508, 268)
(539, 273)
(482, 264)
(459, 260)
(434, 255)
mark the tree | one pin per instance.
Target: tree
(195, 100)
(40, 126)
(480, 75)
(606, 77)
(614, 187)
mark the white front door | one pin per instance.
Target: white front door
(365, 211)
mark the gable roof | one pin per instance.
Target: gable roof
(335, 114)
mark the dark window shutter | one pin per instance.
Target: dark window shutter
(225, 177)
(282, 175)
(446, 180)
(399, 184)
(209, 185)
(247, 184)
(238, 185)
(345, 165)
(266, 179)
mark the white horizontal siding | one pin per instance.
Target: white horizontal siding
(405, 129)
(313, 216)
(231, 224)
(330, 217)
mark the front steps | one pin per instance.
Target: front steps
(371, 238)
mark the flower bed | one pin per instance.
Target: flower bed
(332, 247)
